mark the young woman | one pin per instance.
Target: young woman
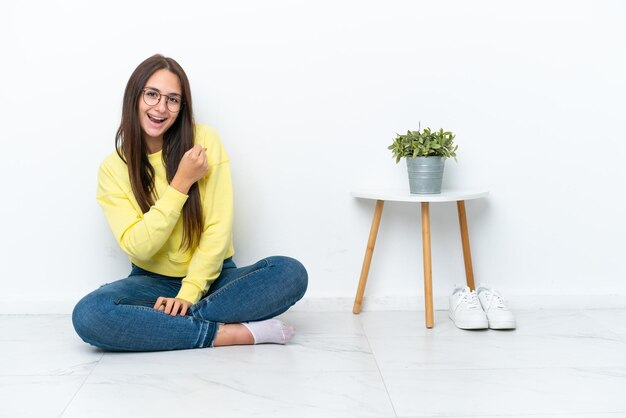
(166, 194)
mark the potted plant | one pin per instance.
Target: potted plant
(425, 152)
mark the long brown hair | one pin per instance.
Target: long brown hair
(179, 138)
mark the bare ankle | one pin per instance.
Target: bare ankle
(232, 334)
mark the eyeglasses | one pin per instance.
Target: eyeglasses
(152, 97)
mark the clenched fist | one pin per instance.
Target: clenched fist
(192, 167)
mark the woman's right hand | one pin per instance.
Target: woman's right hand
(192, 167)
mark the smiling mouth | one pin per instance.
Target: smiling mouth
(155, 119)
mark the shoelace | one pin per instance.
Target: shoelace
(494, 299)
(471, 298)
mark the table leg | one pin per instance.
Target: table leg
(467, 254)
(368, 256)
(428, 271)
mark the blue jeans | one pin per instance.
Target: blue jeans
(119, 316)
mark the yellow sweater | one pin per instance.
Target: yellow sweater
(152, 239)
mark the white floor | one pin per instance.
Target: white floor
(377, 364)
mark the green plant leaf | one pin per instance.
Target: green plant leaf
(422, 143)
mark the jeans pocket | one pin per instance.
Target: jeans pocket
(123, 300)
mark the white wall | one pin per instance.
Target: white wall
(306, 97)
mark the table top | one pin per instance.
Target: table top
(446, 195)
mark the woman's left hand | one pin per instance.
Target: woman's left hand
(172, 306)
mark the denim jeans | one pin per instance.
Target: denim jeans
(119, 316)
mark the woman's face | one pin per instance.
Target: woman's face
(156, 118)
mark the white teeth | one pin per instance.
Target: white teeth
(155, 118)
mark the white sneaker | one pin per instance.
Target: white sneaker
(498, 314)
(465, 310)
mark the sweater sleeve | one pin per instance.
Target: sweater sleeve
(216, 239)
(139, 234)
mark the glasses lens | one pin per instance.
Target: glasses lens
(151, 97)
(173, 103)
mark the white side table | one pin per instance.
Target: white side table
(453, 195)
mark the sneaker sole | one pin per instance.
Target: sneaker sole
(502, 325)
(469, 325)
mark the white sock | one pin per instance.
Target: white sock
(270, 331)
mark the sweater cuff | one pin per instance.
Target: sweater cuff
(176, 197)
(189, 292)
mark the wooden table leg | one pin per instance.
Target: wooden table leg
(467, 254)
(428, 271)
(368, 256)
